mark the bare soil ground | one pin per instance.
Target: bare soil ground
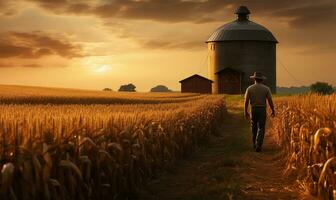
(227, 167)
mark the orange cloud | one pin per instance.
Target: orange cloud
(36, 45)
(11, 64)
(7, 8)
(307, 20)
(197, 11)
(322, 14)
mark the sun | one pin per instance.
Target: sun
(102, 68)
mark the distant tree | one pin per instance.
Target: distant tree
(127, 88)
(107, 89)
(293, 90)
(160, 88)
(321, 88)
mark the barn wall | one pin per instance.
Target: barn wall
(244, 56)
(196, 86)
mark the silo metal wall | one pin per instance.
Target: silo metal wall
(245, 56)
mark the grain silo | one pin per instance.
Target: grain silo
(238, 49)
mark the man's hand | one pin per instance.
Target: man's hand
(247, 115)
(273, 114)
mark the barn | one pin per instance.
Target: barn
(229, 81)
(196, 84)
(236, 50)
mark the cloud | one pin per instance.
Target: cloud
(307, 15)
(36, 45)
(201, 11)
(158, 10)
(66, 6)
(12, 64)
(189, 45)
(5, 64)
(308, 20)
(33, 65)
(7, 8)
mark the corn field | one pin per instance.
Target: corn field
(306, 129)
(96, 151)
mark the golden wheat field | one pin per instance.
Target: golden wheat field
(62, 144)
(306, 128)
(101, 148)
(43, 95)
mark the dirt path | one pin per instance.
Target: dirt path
(226, 168)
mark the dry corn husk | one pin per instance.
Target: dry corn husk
(310, 149)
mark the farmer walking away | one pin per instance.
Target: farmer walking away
(256, 96)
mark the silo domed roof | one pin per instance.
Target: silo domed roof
(242, 29)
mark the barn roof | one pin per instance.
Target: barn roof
(229, 69)
(242, 29)
(195, 76)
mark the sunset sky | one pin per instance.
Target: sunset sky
(93, 44)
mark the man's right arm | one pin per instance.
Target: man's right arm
(246, 103)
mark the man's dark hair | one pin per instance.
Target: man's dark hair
(258, 80)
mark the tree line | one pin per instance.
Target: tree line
(322, 88)
(132, 88)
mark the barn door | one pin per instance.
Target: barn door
(229, 83)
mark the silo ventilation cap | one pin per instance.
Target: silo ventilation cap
(242, 12)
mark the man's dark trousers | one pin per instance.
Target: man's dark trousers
(258, 122)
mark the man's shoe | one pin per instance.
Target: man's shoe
(258, 149)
